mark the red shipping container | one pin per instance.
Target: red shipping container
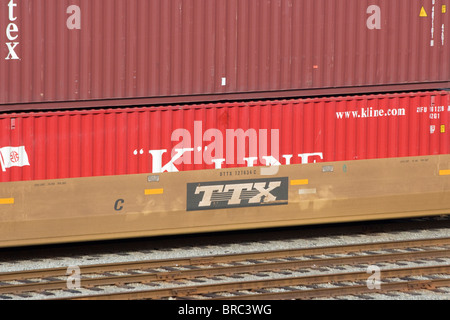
(69, 144)
(102, 53)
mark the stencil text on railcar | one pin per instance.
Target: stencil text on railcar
(237, 193)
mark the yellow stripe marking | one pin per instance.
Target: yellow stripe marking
(153, 191)
(7, 201)
(299, 182)
(444, 172)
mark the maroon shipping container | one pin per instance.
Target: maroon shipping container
(98, 53)
(58, 145)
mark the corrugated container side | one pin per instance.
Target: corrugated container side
(69, 144)
(90, 51)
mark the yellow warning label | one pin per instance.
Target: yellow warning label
(423, 13)
(444, 8)
(299, 182)
(7, 201)
(443, 128)
(153, 191)
(444, 172)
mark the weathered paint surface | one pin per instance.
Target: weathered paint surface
(174, 51)
(72, 144)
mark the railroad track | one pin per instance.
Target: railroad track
(324, 272)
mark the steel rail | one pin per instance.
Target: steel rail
(261, 284)
(225, 270)
(205, 260)
(343, 291)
